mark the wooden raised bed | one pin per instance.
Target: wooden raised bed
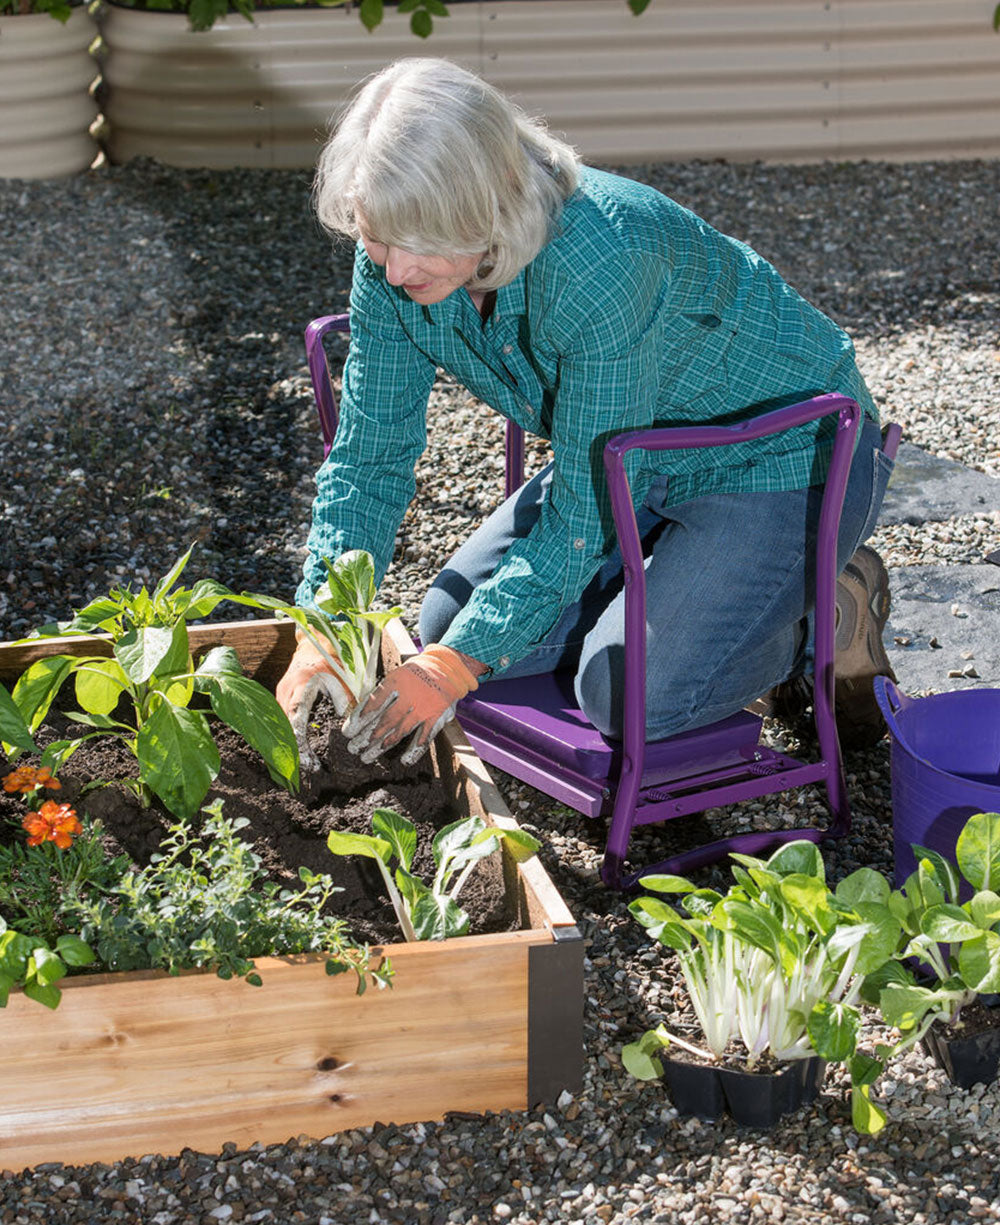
(137, 1063)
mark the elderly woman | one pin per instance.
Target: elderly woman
(579, 304)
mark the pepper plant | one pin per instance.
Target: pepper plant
(429, 910)
(152, 665)
(776, 964)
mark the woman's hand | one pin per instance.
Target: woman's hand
(306, 677)
(416, 699)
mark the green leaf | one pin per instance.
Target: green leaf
(47, 966)
(865, 1069)
(810, 898)
(74, 951)
(640, 1062)
(864, 885)
(350, 580)
(638, 7)
(436, 917)
(984, 908)
(996, 18)
(944, 871)
(14, 732)
(948, 924)
(152, 648)
(43, 994)
(7, 984)
(833, 1030)
(220, 661)
(421, 23)
(370, 12)
(202, 599)
(521, 845)
(456, 837)
(174, 573)
(249, 709)
(15, 950)
(177, 756)
(342, 843)
(436, 8)
(867, 1118)
(99, 685)
(97, 615)
(755, 925)
(883, 937)
(798, 857)
(662, 922)
(665, 883)
(400, 833)
(905, 1006)
(38, 685)
(979, 963)
(978, 851)
(701, 903)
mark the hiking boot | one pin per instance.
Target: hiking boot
(862, 610)
(859, 656)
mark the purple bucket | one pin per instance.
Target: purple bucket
(945, 762)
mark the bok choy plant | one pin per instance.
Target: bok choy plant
(346, 630)
(775, 965)
(955, 944)
(429, 911)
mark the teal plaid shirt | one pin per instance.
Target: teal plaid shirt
(635, 313)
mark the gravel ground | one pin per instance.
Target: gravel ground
(154, 394)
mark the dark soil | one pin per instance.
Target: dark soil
(287, 831)
(975, 1018)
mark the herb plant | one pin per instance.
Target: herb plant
(429, 911)
(34, 965)
(777, 965)
(204, 901)
(151, 664)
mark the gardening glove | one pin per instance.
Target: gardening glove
(306, 677)
(416, 699)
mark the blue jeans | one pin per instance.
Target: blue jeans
(730, 584)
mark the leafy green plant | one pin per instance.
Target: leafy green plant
(151, 664)
(775, 965)
(957, 944)
(429, 911)
(346, 630)
(203, 14)
(204, 901)
(34, 965)
(59, 9)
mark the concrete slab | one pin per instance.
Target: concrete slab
(925, 488)
(939, 615)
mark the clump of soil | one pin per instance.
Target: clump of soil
(287, 831)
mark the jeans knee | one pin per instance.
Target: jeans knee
(599, 687)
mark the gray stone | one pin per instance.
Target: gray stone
(956, 607)
(925, 488)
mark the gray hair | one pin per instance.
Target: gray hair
(438, 162)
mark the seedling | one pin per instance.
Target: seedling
(429, 911)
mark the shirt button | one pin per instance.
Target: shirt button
(503, 661)
(579, 543)
(508, 348)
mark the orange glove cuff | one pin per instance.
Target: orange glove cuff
(445, 664)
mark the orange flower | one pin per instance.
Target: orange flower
(53, 822)
(29, 778)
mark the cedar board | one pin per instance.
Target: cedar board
(141, 1062)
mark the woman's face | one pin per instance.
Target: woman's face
(425, 278)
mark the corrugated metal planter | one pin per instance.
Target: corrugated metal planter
(777, 80)
(46, 71)
(142, 1062)
(257, 95)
